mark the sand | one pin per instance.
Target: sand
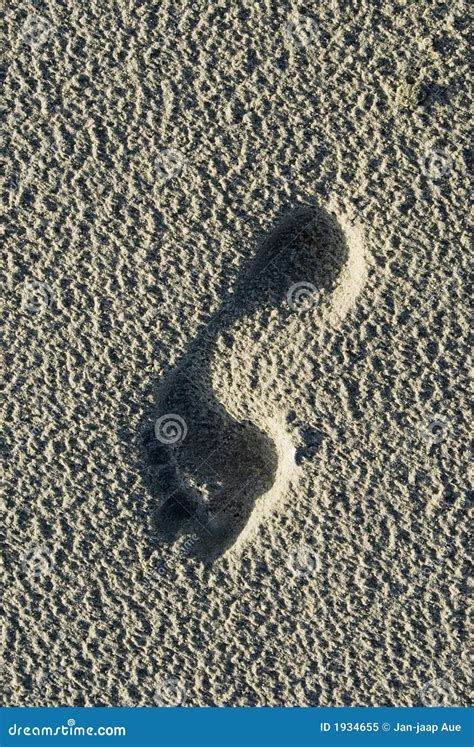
(236, 422)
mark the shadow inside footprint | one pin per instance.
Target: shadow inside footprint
(205, 469)
(210, 472)
(207, 482)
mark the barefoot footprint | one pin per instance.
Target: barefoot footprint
(210, 472)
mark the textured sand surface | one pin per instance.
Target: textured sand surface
(252, 216)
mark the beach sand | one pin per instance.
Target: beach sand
(236, 432)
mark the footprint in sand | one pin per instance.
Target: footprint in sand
(215, 478)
